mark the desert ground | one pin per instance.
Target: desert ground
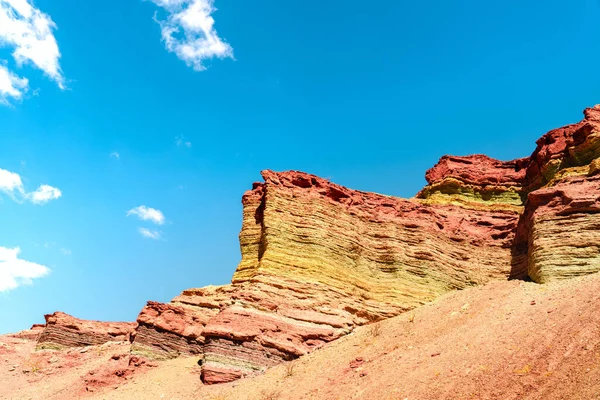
(504, 340)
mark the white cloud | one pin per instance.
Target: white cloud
(15, 271)
(12, 185)
(148, 214)
(30, 32)
(180, 141)
(116, 155)
(11, 86)
(66, 252)
(44, 194)
(189, 31)
(149, 233)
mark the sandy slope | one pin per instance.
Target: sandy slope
(506, 340)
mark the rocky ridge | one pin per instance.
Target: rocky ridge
(319, 259)
(62, 331)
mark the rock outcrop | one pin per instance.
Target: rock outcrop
(559, 228)
(476, 180)
(170, 330)
(319, 259)
(62, 330)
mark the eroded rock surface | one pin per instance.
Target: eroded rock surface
(63, 330)
(319, 259)
(176, 328)
(559, 228)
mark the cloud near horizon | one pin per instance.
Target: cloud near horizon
(189, 31)
(15, 272)
(30, 32)
(12, 186)
(148, 214)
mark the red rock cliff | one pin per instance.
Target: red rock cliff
(319, 259)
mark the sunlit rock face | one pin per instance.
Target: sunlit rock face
(63, 331)
(560, 225)
(319, 259)
(174, 329)
(476, 180)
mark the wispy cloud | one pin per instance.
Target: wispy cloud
(66, 252)
(116, 155)
(148, 214)
(181, 141)
(11, 86)
(30, 32)
(15, 272)
(149, 233)
(12, 186)
(189, 31)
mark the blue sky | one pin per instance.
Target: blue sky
(134, 103)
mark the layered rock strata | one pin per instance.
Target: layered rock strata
(559, 228)
(319, 259)
(62, 330)
(564, 229)
(176, 328)
(476, 180)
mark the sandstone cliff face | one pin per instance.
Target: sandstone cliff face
(62, 330)
(319, 259)
(170, 330)
(564, 229)
(476, 180)
(559, 228)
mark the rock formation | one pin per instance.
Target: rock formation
(62, 330)
(559, 228)
(319, 259)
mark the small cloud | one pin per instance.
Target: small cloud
(66, 252)
(12, 185)
(15, 272)
(180, 141)
(11, 86)
(189, 32)
(116, 155)
(149, 233)
(148, 214)
(44, 194)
